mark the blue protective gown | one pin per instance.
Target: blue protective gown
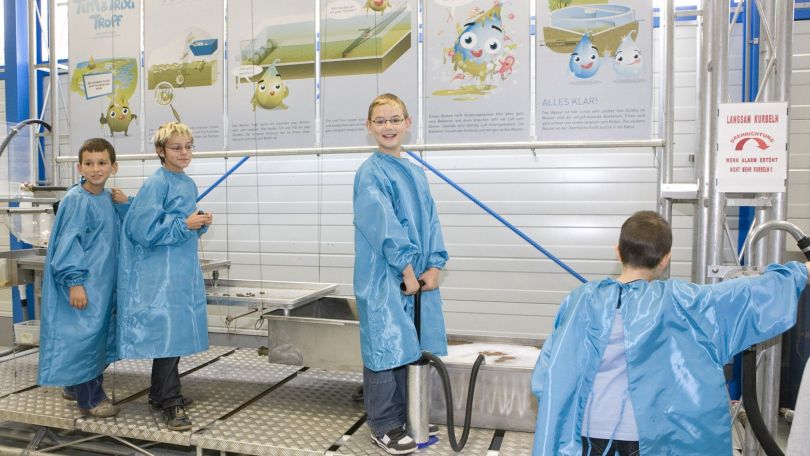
(161, 293)
(396, 224)
(678, 336)
(76, 345)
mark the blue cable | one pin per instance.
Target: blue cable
(498, 217)
(224, 176)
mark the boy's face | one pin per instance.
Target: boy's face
(389, 137)
(96, 168)
(177, 152)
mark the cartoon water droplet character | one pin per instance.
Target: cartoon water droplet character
(585, 60)
(479, 45)
(270, 90)
(627, 63)
(118, 116)
(377, 5)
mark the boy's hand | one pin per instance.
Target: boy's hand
(118, 196)
(409, 279)
(78, 298)
(431, 279)
(196, 220)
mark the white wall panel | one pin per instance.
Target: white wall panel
(289, 218)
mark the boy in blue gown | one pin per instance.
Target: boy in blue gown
(161, 293)
(634, 365)
(78, 292)
(397, 239)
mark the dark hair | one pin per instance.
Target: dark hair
(97, 145)
(645, 239)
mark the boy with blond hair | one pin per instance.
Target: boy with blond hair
(398, 239)
(161, 293)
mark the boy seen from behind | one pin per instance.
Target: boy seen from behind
(634, 365)
(78, 292)
(397, 239)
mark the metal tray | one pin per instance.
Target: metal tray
(255, 293)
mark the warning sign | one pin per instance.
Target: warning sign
(752, 147)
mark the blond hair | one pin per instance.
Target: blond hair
(387, 99)
(165, 132)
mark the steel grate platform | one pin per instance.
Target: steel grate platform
(242, 404)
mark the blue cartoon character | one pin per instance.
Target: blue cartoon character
(480, 45)
(627, 63)
(270, 90)
(585, 60)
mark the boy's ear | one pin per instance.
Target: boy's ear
(114, 168)
(665, 261)
(618, 255)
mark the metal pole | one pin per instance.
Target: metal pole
(780, 20)
(33, 108)
(666, 96)
(701, 218)
(53, 80)
(718, 75)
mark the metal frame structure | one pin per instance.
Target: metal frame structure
(712, 89)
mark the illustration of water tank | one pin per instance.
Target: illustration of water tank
(204, 47)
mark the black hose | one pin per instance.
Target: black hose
(751, 404)
(16, 130)
(448, 398)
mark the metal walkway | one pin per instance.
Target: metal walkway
(242, 404)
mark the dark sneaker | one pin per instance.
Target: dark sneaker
(395, 441)
(156, 407)
(102, 410)
(176, 418)
(68, 395)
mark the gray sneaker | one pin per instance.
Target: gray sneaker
(176, 418)
(395, 441)
(103, 410)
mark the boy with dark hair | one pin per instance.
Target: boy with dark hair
(397, 239)
(634, 365)
(78, 292)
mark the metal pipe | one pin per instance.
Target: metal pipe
(33, 109)
(700, 252)
(527, 145)
(419, 402)
(765, 228)
(719, 76)
(666, 128)
(53, 81)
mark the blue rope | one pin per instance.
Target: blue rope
(224, 176)
(498, 217)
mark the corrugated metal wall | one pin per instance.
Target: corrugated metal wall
(289, 218)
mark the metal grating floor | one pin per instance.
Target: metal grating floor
(242, 404)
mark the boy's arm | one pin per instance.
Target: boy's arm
(149, 224)
(374, 218)
(67, 260)
(544, 360)
(741, 312)
(438, 255)
(121, 203)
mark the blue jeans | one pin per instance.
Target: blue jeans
(88, 394)
(385, 394)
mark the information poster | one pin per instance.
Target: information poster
(271, 66)
(183, 65)
(477, 71)
(594, 70)
(752, 147)
(368, 47)
(104, 45)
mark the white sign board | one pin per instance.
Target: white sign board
(752, 147)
